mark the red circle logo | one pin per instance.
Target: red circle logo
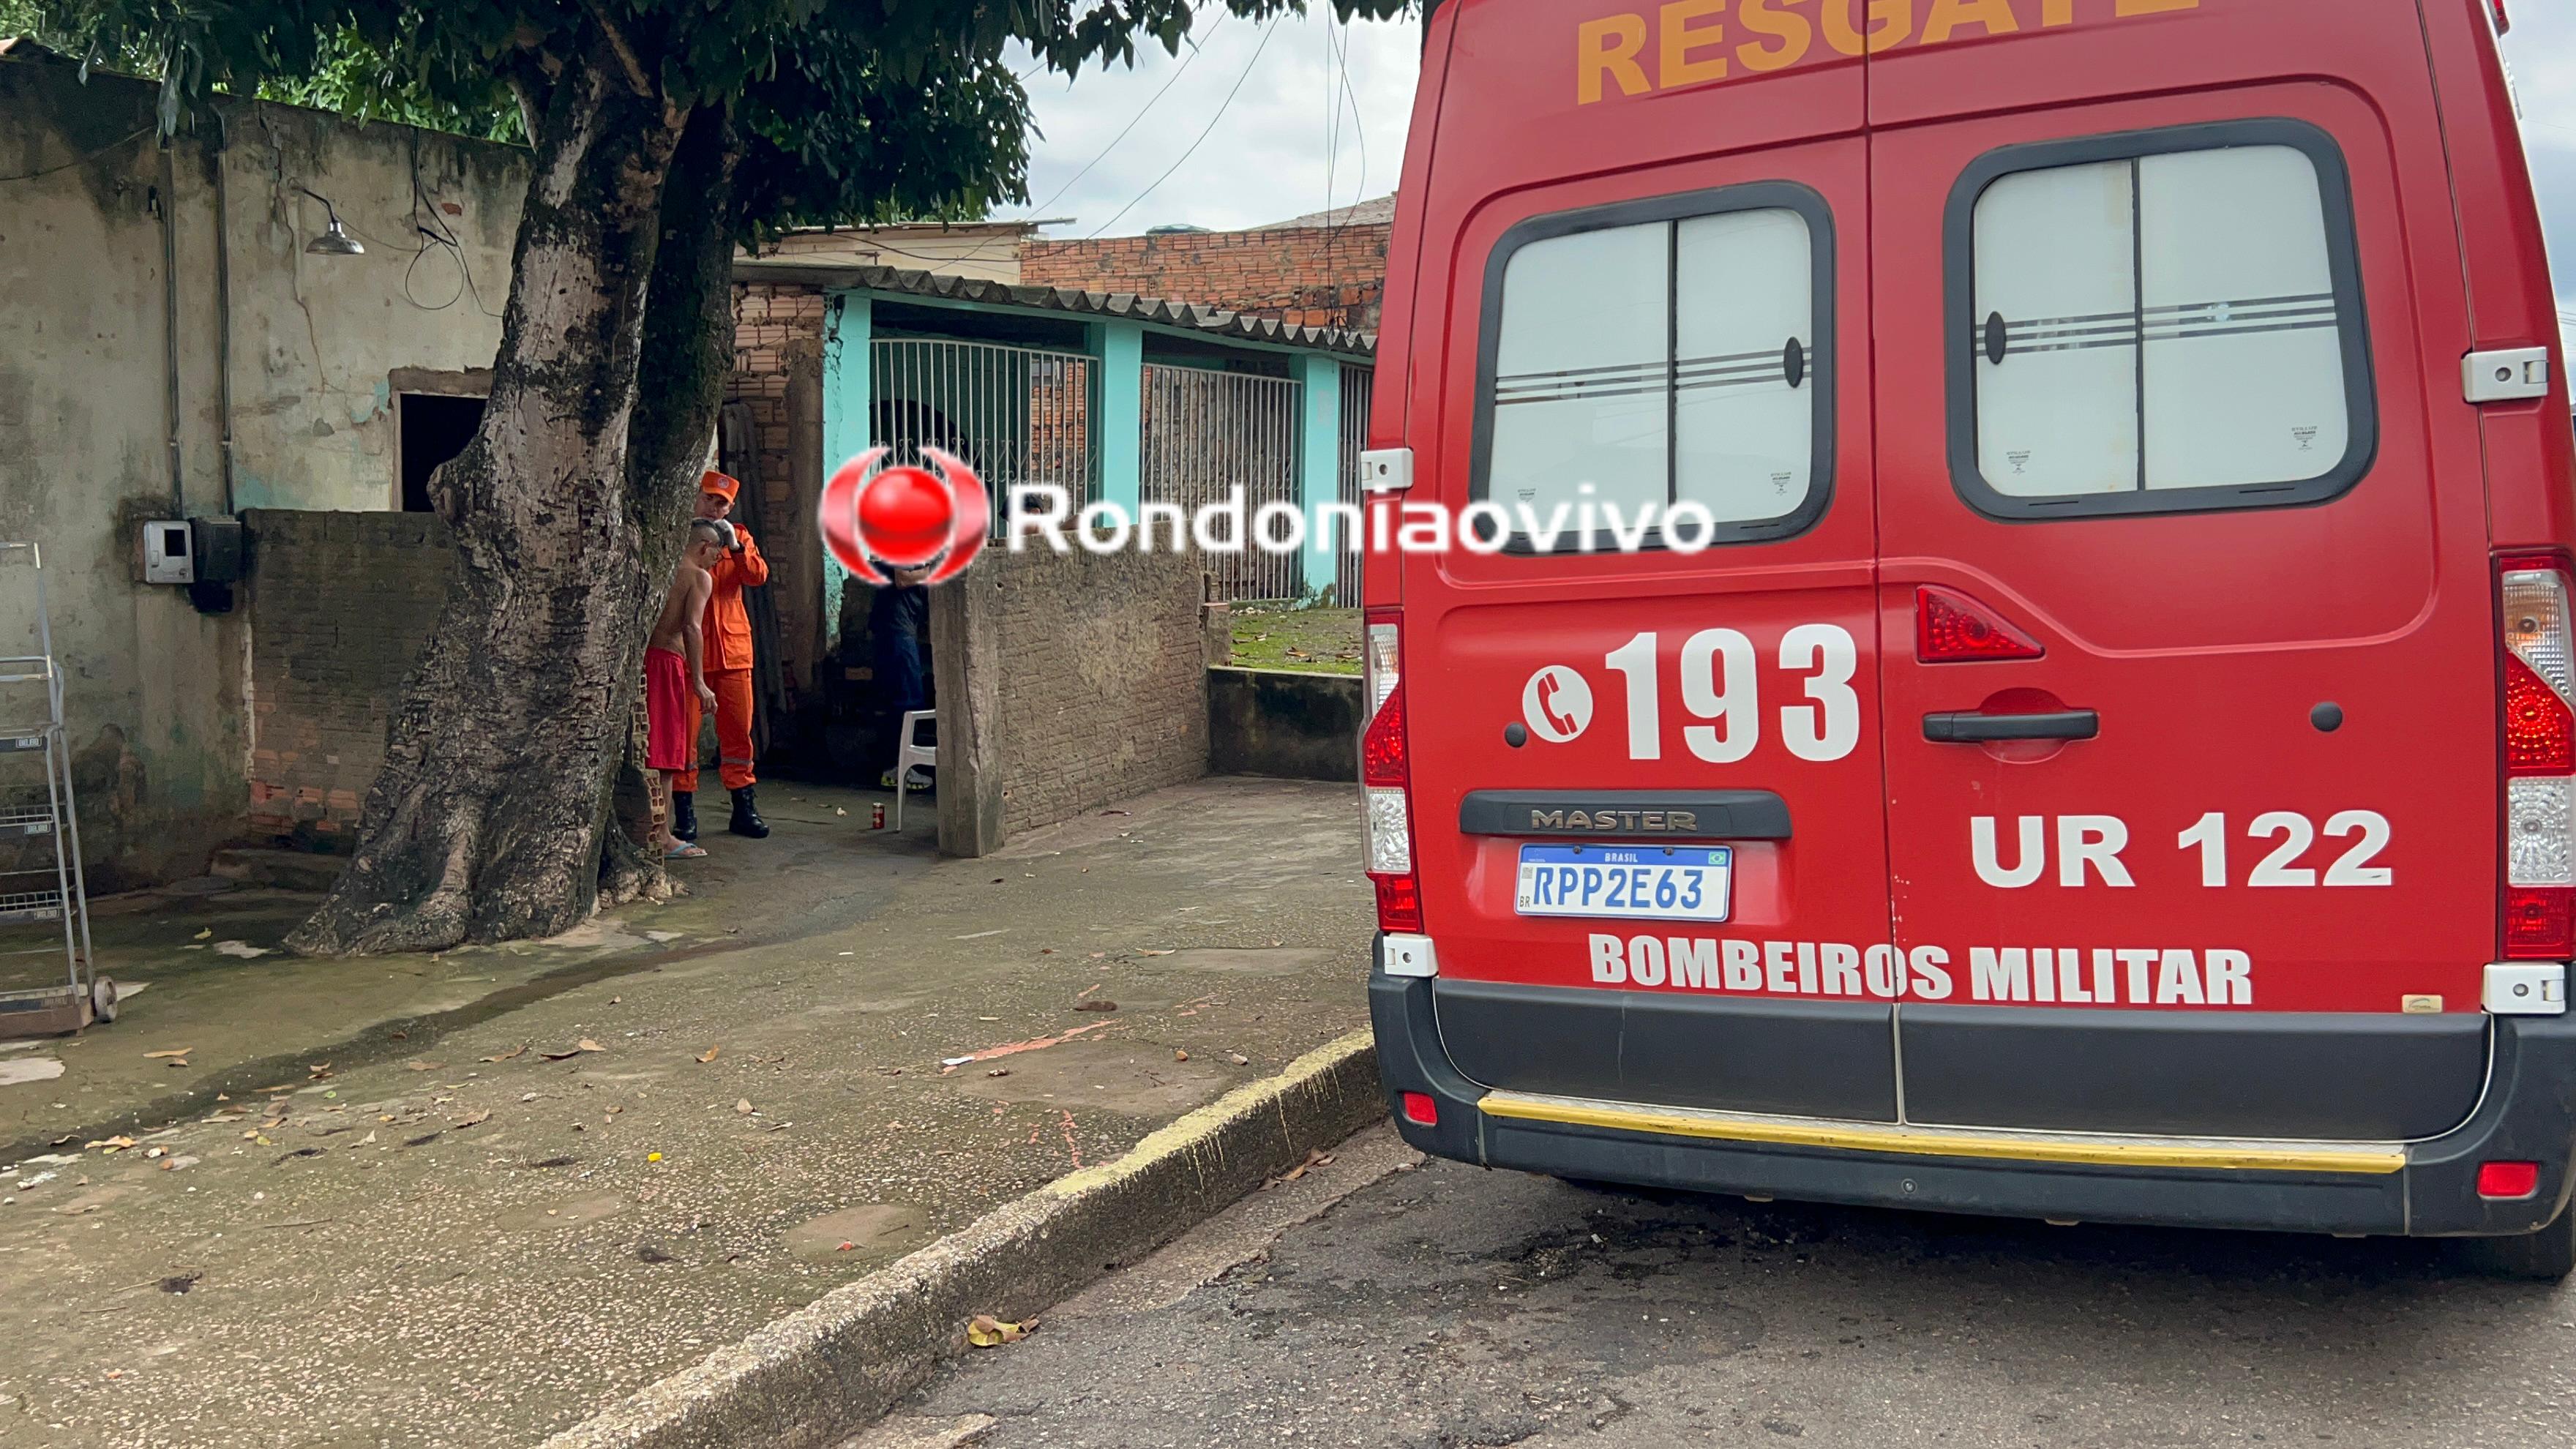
(904, 517)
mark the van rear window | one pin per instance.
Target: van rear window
(2158, 322)
(1663, 352)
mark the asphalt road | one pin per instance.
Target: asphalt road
(1389, 1301)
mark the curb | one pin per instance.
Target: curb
(826, 1370)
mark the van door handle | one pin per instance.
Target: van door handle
(1970, 727)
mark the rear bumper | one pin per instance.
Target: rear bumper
(2425, 1188)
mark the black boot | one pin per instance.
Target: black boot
(684, 814)
(746, 819)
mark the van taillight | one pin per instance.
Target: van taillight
(2539, 749)
(1952, 628)
(1386, 775)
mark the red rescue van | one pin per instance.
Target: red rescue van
(2092, 737)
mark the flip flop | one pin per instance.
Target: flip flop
(684, 851)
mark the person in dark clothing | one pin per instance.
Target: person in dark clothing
(899, 627)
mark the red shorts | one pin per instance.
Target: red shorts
(668, 709)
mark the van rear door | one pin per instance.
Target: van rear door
(2190, 660)
(1645, 786)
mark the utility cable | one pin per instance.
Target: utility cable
(81, 160)
(1267, 31)
(1197, 48)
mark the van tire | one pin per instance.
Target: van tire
(2546, 1256)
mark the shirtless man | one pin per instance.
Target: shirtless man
(675, 665)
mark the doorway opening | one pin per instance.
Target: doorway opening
(434, 428)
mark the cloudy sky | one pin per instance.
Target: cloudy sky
(1267, 154)
(1264, 156)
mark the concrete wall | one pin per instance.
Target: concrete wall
(1065, 682)
(157, 695)
(1313, 276)
(1284, 723)
(339, 607)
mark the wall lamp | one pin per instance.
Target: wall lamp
(335, 241)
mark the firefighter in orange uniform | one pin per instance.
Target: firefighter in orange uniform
(727, 632)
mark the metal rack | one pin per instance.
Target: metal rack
(30, 814)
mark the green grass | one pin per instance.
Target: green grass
(1320, 641)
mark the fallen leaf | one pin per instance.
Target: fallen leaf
(179, 1062)
(587, 1045)
(113, 1144)
(560, 1056)
(1155, 953)
(173, 1052)
(518, 1051)
(845, 1247)
(986, 1331)
(652, 1157)
(1096, 955)
(743, 1106)
(471, 1118)
(709, 1054)
(1314, 1158)
(363, 1141)
(418, 1066)
(1179, 1055)
(201, 935)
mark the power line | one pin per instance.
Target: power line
(81, 160)
(1359, 122)
(1222, 106)
(1196, 49)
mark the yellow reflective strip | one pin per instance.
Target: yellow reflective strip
(1925, 1142)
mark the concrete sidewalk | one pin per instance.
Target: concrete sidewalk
(528, 1208)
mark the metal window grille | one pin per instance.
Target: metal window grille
(1355, 418)
(1206, 433)
(1015, 414)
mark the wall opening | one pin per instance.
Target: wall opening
(434, 428)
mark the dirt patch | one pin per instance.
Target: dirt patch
(1119, 1076)
(867, 1232)
(572, 1213)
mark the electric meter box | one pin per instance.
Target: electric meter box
(192, 551)
(169, 552)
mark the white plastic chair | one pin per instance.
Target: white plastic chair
(909, 751)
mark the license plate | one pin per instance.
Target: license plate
(1646, 882)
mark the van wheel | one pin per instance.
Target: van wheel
(2546, 1256)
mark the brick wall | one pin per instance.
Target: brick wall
(1312, 276)
(1065, 682)
(777, 374)
(339, 605)
(770, 321)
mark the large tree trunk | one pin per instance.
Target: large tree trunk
(487, 819)
(687, 357)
